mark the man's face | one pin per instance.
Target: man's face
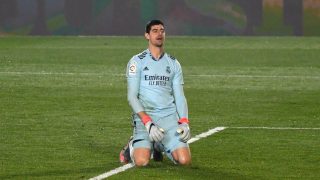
(156, 36)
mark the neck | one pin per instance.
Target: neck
(156, 52)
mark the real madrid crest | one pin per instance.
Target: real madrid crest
(168, 70)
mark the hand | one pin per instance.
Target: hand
(184, 132)
(155, 133)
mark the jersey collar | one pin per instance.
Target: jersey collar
(154, 57)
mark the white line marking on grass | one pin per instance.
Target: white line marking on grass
(62, 73)
(113, 172)
(206, 134)
(130, 165)
(190, 75)
(275, 128)
(252, 76)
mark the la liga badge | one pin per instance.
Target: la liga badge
(132, 69)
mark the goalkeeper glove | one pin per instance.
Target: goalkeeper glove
(184, 130)
(155, 133)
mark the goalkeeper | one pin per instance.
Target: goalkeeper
(160, 112)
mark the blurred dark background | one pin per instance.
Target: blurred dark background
(182, 17)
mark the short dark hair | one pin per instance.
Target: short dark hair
(152, 23)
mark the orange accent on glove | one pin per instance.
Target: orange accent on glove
(145, 119)
(183, 120)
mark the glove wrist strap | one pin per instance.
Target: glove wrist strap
(183, 120)
(145, 119)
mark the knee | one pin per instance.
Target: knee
(184, 161)
(182, 156)
(140, 162)
(141, 156)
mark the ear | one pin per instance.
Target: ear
(147, 36)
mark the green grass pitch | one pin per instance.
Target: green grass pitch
(64, 113)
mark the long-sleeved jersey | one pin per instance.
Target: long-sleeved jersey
(156, 86)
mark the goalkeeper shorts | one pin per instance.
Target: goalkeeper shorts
(171, 140)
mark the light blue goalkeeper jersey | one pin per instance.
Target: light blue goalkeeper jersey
(156, 86)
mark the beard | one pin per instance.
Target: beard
(158, 43)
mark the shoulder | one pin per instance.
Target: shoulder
(135, 62)
(172, 60)
(140, 56)
(171, 57)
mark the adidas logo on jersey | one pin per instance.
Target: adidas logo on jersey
(146, 69)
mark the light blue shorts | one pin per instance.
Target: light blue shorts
(170, 141)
